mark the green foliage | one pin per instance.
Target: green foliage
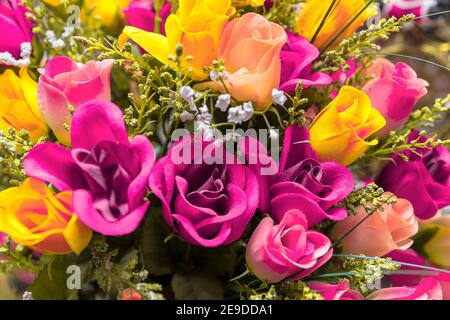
(361, 44)
(398, 141)
(17, 257)
(291, 290)
(14, 147)
(197, 286)
(285, 13)
(371, 198)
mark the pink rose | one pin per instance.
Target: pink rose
(289, 249)
(394, 91)
(427, 289)
(411, 257)
(64, 83)
(339, 291)
(15, 28)
(381, 233)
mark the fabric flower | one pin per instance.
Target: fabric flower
(424, 180)
(108, 12)
(339, 131)
(326, 22)
(394, 91)
(437, 248)
(288, 249)
(428, 289)
(15, 28)
(64, 83)
(208, 202)
(107, 173)
(300, 179)
(297, 57)
(380, 233)
(18, 104)
(141, 14)
(33, 216)
(253, 3)
(197, 26)
(411, 257)
(250, 48)
(339, 291)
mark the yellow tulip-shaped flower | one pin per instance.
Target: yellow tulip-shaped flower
(18, 104)
(35, 217)
(339, 131)
(196, 25)
(326, 22)
(109, 12)
(244, 3)
(437, 248)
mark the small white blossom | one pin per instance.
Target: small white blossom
(278, 97)
(25, 55)
(204, 129)
(204, 115)
(240, 114)
(223, 102)
(188, 94)
(186, 116)
(216, 75)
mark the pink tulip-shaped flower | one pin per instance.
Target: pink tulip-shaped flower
(279, 251)
(64, 83)
(141, 14)
(107, 173)
(297, 57)
(339, 291)
(427, 289)
(15, 28)
(394, 92)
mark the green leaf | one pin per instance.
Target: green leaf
(51, 282)
(156, 253)
(197, 286)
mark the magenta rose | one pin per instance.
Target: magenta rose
(427, 289)
(64, 83)
(208, 201)
(15, 28)
(107, 173)
(394, 92)
(339, 291)
(141, 14)
(297, 57)
(424, 180)
(287, 250)
(301, 180)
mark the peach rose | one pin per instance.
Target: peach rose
(250, 48)
(381, 233)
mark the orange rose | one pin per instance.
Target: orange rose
(250, 48)
(381, 233)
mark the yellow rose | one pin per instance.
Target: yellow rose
(35, 217)
(437, 248)
(109, 12)
(245, 3)
(326, 22)
(18, 104)
(339, 131)
(196, 25)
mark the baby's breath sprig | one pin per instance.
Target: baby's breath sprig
(371, 198)
(17, 257)
(292, 290)
(365, 273)
(284, 13)
(360, 45)
(14, 147)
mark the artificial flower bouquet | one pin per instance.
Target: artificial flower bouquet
(218, 149)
